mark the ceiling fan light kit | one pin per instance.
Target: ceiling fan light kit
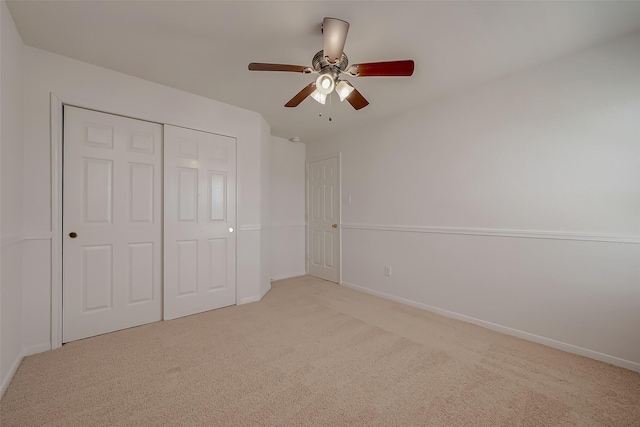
(319, 96)
(325, 84)
(344, 89)
(330, 62)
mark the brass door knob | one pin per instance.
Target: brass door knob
(73, 234)
(334, 226)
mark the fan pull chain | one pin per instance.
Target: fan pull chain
(330, 105)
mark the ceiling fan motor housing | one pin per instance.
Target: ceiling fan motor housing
(320, 63)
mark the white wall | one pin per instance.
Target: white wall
(86, 85)
(265, 208)
(11, 164)
(2, 12)
(515, 205)
(287, 209)
(256, 235)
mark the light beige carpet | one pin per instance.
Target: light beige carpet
(314, 353)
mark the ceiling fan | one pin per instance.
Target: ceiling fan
(330, 63)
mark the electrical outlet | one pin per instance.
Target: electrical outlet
(387, 270)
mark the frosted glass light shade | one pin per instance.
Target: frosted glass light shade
(344, 89)
(319, 96)
(325, 84)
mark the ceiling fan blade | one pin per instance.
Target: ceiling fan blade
(335, 36)
(356, 99)
(390, 68)
(301, 96)
(259, 66)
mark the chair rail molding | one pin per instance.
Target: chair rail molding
(252, 227)
(13, 238)
(495, 232)
(288, 224)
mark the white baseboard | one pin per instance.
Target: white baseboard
(289, 276)
(248, 300)
(12, 372)
(255, 298)
(38, 348)
(634, 366)
(266, 290)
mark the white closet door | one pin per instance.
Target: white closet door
(199, 221)
(112, 223)
(324, 209)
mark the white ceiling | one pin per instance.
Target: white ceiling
(205, 47)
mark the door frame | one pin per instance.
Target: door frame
(57, 126)
(57, 139)
(307, 254)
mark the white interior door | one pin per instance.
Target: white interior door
(200, 221)
(324, 219)
(112, 223)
